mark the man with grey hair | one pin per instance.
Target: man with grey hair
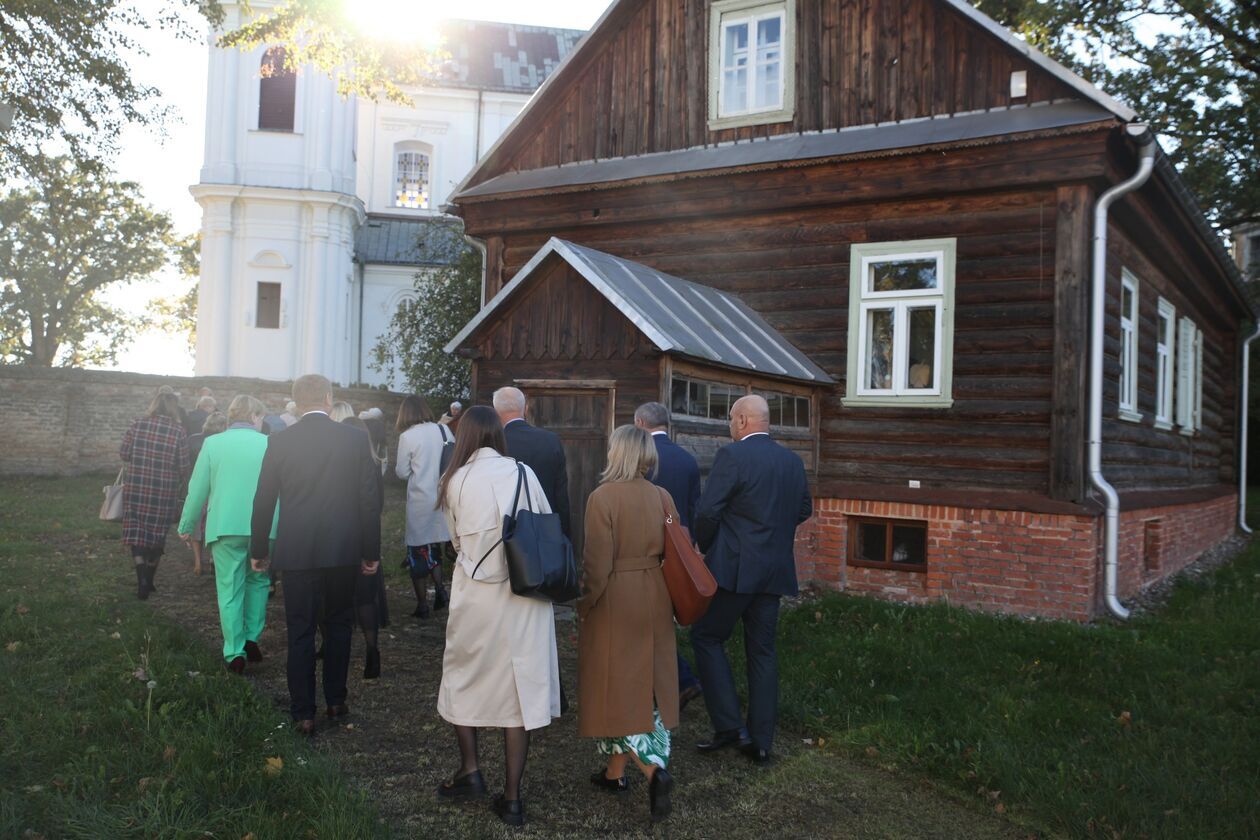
(195, 419)
(746, 521)
(538, 449)
(679, 475)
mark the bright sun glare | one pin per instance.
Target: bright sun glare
(397, 20)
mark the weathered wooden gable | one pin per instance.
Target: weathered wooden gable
(642, 83)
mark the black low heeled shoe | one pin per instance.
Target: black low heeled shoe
(511, 811)
(659, 790)
(463, 787)
(600, 780)
(372, 668)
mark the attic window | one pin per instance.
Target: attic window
(1019, 84)
(752, 62)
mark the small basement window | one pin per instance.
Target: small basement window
(752, 62)
(268, 308)
(901, 324)
(899, 544)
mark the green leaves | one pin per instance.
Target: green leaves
(1190, 68)
(66, 235)
(446, 298)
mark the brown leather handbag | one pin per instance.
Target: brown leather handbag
(690, 583)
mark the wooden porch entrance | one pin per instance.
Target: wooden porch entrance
(581, 413)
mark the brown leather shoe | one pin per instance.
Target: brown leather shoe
(305, 727)
(685, 696)
(338, 711)
(253, 652)
(237, 665)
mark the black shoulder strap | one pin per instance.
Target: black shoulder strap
(442, 428)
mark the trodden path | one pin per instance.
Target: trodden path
(395, 746)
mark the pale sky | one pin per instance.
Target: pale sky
(165, 166)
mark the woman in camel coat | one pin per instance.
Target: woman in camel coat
(627, 662)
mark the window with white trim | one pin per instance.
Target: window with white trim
(901, 323)
(1128, 346)
(1189, 376)
(751, 62)
(413, 175)
(1165, 344)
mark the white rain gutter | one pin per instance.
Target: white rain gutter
(1242, 437)
(1098, 297)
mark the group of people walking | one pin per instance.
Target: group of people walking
(307, 502)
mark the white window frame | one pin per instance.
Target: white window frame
(862, 300)
(1165, 365)
(410, 147)
(726, 13)
(1129, 321)
(1198, 380)
(1188, 371)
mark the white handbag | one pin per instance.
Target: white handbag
(112, 507)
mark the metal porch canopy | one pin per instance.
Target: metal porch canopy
(677, 316)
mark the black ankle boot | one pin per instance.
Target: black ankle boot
(142, 586)
(150, 572)
(372, 669)
(440, 599)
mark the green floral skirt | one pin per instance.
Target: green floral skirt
(650, 747)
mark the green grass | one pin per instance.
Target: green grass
(1147, 729)
(87, 748)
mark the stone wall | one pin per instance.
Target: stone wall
(1037, 564)
(69, 422)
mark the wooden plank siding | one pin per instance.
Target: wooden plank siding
(793, 268)
(643, 87)
(1136, 455)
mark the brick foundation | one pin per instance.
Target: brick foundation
(1038, 564)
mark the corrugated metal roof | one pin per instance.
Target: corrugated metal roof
(502, 56)
(926, 131)
(678, 316)
(391, 240)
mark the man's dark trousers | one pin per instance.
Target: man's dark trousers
(309, 595)
(761, 617)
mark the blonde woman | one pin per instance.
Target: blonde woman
(341, 410)
(225, 478)
(627, 662)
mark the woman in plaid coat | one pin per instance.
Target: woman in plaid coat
(155, 450)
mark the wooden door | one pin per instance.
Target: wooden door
(582, 418)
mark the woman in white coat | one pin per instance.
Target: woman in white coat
(420, 443)
(500, 667)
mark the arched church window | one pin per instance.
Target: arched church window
(412, 176)
(277, 92)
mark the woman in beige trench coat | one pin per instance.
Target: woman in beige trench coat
(627, 662)
(500, 666)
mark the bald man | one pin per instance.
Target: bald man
(746, 523)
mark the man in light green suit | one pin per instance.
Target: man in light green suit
(226, 474)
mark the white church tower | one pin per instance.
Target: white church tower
(279, 215)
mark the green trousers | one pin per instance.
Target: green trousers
(242, 594)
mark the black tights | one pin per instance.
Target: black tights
(146, 556)
(515, 751)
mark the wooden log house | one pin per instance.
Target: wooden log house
(879, 214)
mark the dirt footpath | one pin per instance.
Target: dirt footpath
(395, 746)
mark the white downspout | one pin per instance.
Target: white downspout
(1098, 298)
(1242, 436)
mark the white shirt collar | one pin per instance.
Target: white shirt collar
(314, 411)
(514, 420)
(654, 434)
(754, 434)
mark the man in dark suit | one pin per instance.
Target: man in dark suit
(679, 474)
(538, 449)
(195, 419)
(323, 476)
(746, 523)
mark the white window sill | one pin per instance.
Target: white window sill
(780, 115)
(1187, 432)
(1164, 425)
(907, 401)
(1130, 416)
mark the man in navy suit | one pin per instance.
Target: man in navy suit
(539, 449)
(323, 477)
(746, 520)
(679, 474)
